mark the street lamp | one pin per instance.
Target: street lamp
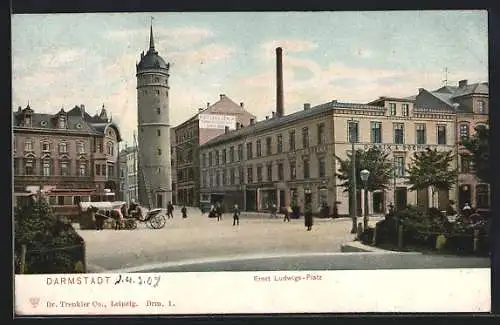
(354, 203)
(364, 174)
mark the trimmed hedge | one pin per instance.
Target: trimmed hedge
(421, 229)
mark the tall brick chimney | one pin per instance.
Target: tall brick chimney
(279, 82)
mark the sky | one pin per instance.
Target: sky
(63, 60)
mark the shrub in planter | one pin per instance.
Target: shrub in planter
(367, 236)
(44, 235)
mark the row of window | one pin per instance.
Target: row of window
(398, 133)
(233, 176)
(156, 92)
(47, 168)
(68, 200)
(63, 147)
(185, 135)
(147, 78)
(222, 157)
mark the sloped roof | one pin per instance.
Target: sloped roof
(76, 123)
(277, 121)
(477, 88)
(224, 105)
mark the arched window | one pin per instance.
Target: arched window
(110, 148)
(82, 168)
(29, 167)
(64, 168)
(47, 167)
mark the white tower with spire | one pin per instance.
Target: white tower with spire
(153, 129)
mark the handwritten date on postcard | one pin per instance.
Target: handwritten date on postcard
(141, 280)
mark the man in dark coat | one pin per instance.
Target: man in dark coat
(170, 210)
(236, 215)
(218, 211)
(308, 217)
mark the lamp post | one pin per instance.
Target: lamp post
(364, 174)
(354, 200)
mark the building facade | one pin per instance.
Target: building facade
(153, 116)
(69, 152)
(292, 158)
(472, 106)
(208, 123)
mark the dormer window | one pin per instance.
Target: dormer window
(27, 120)
(405, 109)
(62, 122)
(63, 147)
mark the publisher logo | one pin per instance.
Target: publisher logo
(34, 301)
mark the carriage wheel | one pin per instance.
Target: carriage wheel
(133, 224)
(158, 221)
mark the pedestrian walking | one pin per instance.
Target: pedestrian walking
(287, 211)
(184, 212)
(218, 211)
(308, 217)
(170, 210)
(274, 210)
(236, 215)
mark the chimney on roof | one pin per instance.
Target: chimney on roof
(252, 121)
(462, 83)
(307, 106)
(82, 110)
(242, 105)
(208, 104)
(200, 109)
(222, 96)
(279, 81)
(226, 129)
(19, 109)
(273, 114)
(267, 117)
(420, 90)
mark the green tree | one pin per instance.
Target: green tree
(479, 146)
(45, 237)
(374, 160)
(431, 169)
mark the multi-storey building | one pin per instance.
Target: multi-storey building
(208, 123)
(173, 164)
(72, 153)
(292, 158)
(471, 104)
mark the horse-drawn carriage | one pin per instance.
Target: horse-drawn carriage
(93, 215)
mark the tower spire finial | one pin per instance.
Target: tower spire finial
(151, 38)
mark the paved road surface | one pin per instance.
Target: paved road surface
(201, 237)
(259, 243)
(326, 261)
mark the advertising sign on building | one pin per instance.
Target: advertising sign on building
(216, 121)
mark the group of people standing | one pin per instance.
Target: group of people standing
(216, 212)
